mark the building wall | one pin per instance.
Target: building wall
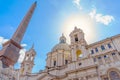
(96, 65)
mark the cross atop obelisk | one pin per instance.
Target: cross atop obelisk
(17, 37)
(10, 52)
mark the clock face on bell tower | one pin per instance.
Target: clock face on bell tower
(78, 53)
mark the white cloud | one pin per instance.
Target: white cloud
(2, 40)
(23, 45)
(104, 19)
(77, 3)
(22, 55)
(92, 13)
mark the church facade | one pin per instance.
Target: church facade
(75, 61)
(80, 61)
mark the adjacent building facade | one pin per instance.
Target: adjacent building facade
(75, 61)
(82, 61)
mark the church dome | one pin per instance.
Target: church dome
(62, 44)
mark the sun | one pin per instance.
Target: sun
(83, 22)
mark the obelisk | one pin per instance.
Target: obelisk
(10, 52)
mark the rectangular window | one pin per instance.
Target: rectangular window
(94, 59)
(105, 56)
(80, 64)
(99, 57)
(109, 45)
(92, 51)
(119, 53)
(102, 47)
(96, 49)
(66, 61)
(113, 54)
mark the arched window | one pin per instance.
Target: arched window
(54, 63)
(76, 38)
(114, 75)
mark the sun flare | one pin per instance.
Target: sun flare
(83, 22)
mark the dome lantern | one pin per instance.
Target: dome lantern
(62, 39)
(62, 44)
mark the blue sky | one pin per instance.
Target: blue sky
(99, 19)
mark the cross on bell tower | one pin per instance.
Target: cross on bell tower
(10, 52)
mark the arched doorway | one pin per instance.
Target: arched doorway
(114, 75)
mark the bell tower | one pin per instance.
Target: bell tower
(10, 52)
(28, 62)
(78, 44)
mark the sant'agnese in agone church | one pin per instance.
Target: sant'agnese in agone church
(75, 61)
